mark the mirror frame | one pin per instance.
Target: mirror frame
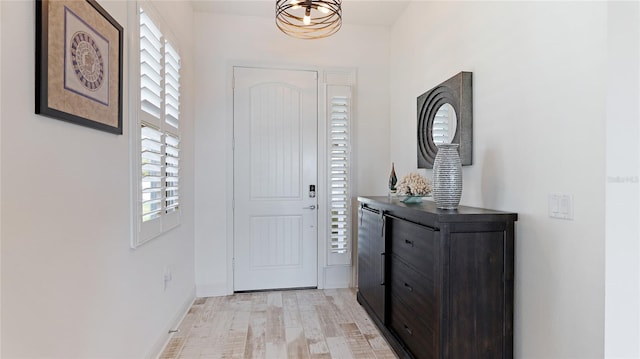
(456, 91)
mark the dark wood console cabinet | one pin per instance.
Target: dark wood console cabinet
(438, 283)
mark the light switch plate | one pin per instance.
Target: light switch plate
(561, 206)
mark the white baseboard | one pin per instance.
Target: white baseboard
(162, 342)
(212, 290)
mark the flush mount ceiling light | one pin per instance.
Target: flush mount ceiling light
(309, 19)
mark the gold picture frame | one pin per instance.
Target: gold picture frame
(79, 64)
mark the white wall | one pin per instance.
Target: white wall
(71, 285)
(622, 296)
(0, 180)
(539, 80)
(225, 40)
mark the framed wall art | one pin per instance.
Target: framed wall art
(79, 64)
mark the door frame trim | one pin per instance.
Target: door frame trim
(321, 163)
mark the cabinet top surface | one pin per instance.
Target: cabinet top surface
(443, 215)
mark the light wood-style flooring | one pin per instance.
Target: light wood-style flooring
(280, 324)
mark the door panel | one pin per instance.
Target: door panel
(275, 162)
(275, 142)
(274, 241)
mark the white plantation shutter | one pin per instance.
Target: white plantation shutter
(158, 115)
(172, 161)
(339, 168)
(171, 125)
(150, 70)
(171, 86)
(440, 131)
(152, 172)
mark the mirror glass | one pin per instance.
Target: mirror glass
(444, 124)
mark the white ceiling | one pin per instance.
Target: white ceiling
(356, 12)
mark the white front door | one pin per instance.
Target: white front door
(275, 167)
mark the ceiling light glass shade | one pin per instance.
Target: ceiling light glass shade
(324, 17)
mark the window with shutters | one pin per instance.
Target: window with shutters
(158, 120)
(339, 121)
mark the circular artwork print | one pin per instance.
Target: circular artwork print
(87, 61)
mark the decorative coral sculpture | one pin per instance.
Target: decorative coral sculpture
(414, 184)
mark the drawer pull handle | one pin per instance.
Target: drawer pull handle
(406, 241)
(410, 288)
(382, 268)
(408, 330)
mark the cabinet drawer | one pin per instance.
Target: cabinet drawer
(414, 290)
(418, 337)
(414, 243)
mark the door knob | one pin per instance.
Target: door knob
(310, 207)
